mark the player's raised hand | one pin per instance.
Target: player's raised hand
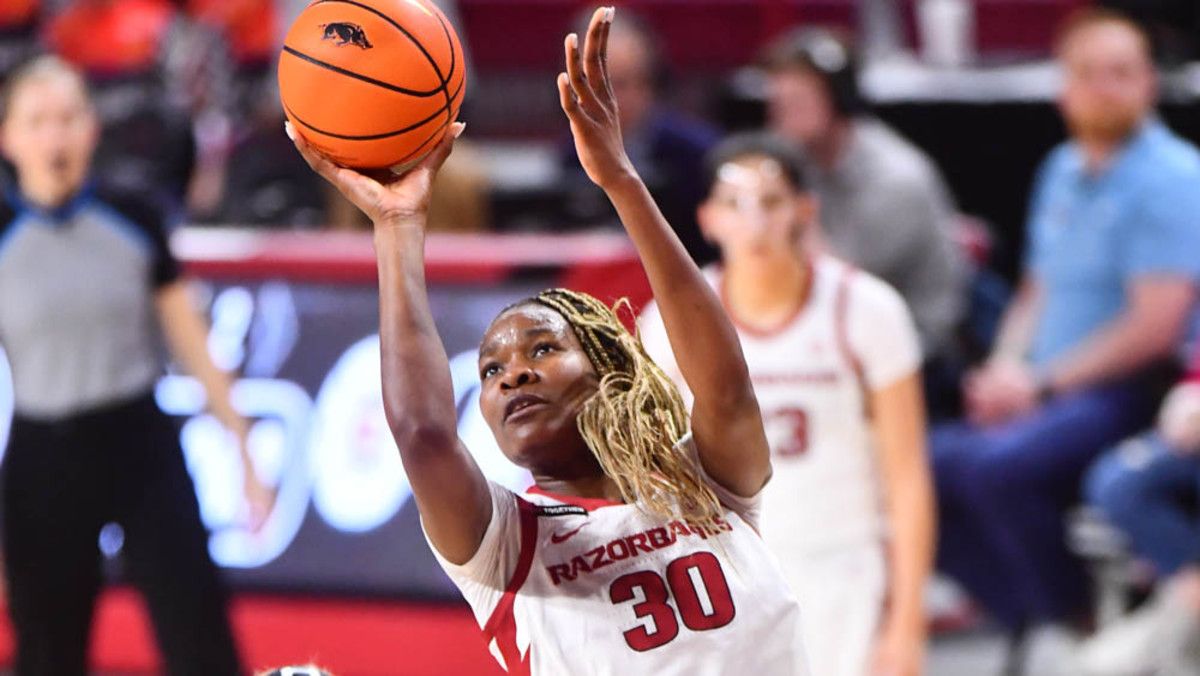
(388, 199)
(587, 98)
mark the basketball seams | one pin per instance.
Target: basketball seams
(363, 78)
(451, 99)
(376, 137)
(412, 38)
(428, 57)
(453, 64)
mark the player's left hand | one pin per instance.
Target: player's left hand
(898, 653)
(586, 96)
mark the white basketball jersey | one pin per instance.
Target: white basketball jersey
(812, 376)
(576, 586)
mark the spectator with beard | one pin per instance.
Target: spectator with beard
(1108, 282)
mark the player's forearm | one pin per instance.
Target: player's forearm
(704, 342)
(418, 394)
(418, 399)
(908, 488)
(911, 553)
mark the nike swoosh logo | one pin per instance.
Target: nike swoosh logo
(556, 538)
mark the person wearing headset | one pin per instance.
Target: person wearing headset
(883, 203)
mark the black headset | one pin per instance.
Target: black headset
(830, 57)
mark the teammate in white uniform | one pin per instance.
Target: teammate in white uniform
(835, 362)
(637, 551)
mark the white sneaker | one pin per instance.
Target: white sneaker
(1048, 647)
(1149, 641)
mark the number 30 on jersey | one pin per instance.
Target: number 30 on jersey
(701, 594)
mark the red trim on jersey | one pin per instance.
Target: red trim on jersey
(502, 624)
(587, 503)
(771, 332)
(841, 308)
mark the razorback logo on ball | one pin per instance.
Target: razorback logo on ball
(346, 34)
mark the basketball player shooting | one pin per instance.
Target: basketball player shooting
(636, 550)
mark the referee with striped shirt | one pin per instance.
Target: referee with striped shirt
(87, 288)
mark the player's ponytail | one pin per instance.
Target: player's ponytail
(635, 419)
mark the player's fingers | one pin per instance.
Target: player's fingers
(578, 79)
(591, 49)
(568, 101)
(316, 161)
(605, 29)
(361, 189)
(355, 186)
(435, 159)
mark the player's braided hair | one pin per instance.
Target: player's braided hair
(636, 417)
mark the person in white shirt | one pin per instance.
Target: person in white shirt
(637, 551)
(835, 362)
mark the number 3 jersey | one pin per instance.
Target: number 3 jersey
(851, 335)
(564, 585)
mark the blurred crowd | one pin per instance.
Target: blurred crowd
(1072, 391)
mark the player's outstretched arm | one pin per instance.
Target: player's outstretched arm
(726, 423)
(418, 395)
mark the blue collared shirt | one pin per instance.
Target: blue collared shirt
(1091, 234)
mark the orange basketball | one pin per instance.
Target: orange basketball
(372, 83)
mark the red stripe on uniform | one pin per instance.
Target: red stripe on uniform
(840, 310)
(590, 504)
(502, 625)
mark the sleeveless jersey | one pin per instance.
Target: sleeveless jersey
(565, 585)
(812, 376)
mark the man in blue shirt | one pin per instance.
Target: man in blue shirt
(1109, 280)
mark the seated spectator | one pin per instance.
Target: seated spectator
(884, 206)
(1104, 297)
(1149, 487)
(667, 148)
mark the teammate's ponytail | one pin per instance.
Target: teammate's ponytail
(635, 419)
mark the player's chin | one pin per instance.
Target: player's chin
(528, 443)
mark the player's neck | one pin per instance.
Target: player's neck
(599, 487)
(763, 292)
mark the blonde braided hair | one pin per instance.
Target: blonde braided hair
(636, 417)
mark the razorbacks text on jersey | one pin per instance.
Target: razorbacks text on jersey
(564, 585)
